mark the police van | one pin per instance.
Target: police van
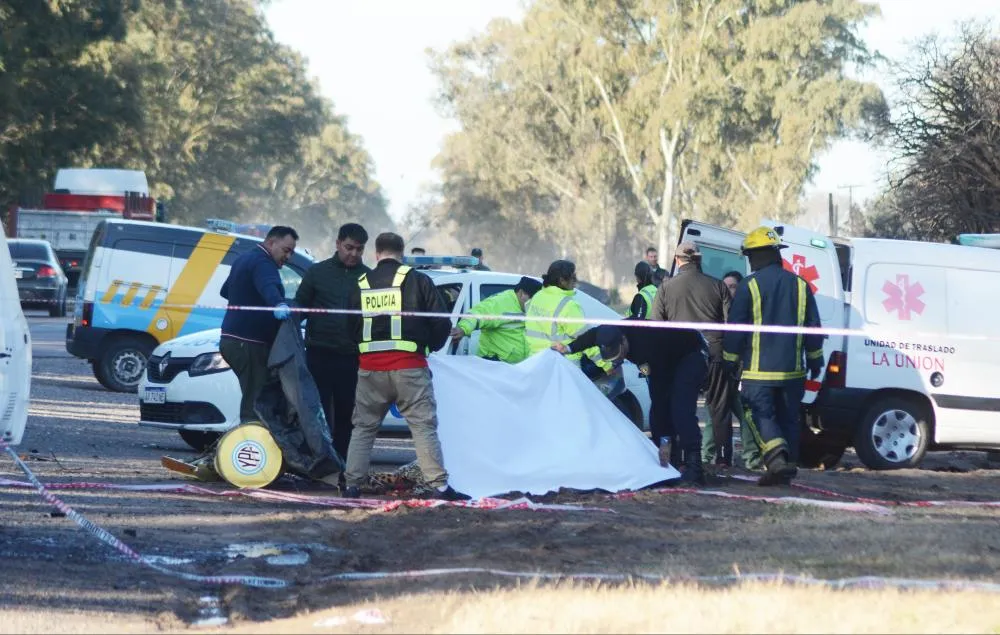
(139, 284)
(919, 380)
(15, 354)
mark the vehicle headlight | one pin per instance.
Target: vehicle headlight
(208, 363)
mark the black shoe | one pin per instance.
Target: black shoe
(694, 471)
(352, 491)
(779, 472)
(449, 494)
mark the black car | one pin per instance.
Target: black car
(41, 283)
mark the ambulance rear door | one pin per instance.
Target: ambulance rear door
(720, 248)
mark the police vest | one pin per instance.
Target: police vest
(648, 294)
(380, 331)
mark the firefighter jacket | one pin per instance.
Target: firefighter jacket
(642, 303)
(773, 296)
(395, 287)
(502, 339)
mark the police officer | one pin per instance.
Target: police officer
(642, 303)
(774, 364)
(393, 363)
(500, 339)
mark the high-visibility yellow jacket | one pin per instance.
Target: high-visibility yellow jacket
(642, 303)
(541, 332)
(502, 339)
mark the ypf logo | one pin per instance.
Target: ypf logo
(798, 266)
(249, 458)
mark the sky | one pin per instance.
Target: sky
(368, 57)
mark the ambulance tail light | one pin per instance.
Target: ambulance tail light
(87, 316)
(836, 370)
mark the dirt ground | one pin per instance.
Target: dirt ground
(60, 578)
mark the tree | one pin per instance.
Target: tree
(714, 109)
(58, 95)
(945, 176)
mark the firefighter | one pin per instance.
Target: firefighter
(642, 303)
(774, 364)
(500, 340)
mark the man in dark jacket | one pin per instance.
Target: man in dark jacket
(247, 335)
(774, 364)
(393, 365)
(692, 296)
(675, 360)
(331, 350)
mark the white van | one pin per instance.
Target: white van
(15, 354)
(914, 384)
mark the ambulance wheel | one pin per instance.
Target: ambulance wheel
(122, 363)
(894, 434)
(629, 406)
(199, 440)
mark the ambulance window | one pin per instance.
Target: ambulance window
(903, 294)
(717, 262)
(290, 279)
(450, 293)
(844, 260)
(487, 290)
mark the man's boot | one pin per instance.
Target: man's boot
(694, 472)
(779, 471)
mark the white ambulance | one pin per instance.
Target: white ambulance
(918, 379)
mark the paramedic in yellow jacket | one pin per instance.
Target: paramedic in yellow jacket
(557, 300)
(501, 338)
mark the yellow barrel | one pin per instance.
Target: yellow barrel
(247, 457)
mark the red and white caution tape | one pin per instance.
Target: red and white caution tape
(861, 507)
(373, 504)
(872, 331)
(864, 582)
(107, 538)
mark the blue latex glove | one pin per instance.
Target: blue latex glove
(281, 312)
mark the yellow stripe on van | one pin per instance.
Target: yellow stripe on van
(112, 291)
(205, 258)
(133, 290)
(150, 296)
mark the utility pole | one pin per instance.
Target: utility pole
(833, 216)
(850, 197)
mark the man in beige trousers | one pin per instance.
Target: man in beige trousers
(393, 364)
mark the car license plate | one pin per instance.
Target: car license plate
(154, 395)
(18, 274)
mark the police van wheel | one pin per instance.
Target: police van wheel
(123, 363)
(199, 440)
(894, 434)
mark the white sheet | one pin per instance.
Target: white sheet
(534, 427)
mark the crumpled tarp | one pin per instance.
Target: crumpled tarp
(291, 408)
(535, 427)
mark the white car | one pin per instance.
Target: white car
(189, 388)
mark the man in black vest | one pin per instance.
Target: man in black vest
(393, 364)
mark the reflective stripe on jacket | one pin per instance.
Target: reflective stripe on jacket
(646, 295)
(502, 339)
(541, 332)
(773, 296)
(374, 304)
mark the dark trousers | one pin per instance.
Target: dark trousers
(249, 361)
(674, 409)
(336, 377)
(719, 403)
(774, 416)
